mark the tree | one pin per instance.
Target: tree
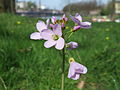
(7, 6)
(31, 5)
(81, 7)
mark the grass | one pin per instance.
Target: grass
(26, 65)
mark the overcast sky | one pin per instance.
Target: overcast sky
(59, 4)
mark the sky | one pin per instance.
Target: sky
(58, 4)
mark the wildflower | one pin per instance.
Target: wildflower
(72, 45)
(61, 22)
(76, 69)
(53, 37)
(40, 26)
(78, 20)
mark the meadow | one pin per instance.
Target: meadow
(26, 65)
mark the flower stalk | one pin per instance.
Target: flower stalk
(63, 69)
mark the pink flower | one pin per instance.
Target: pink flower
(40, 26)
(75, 70)
(53, 37)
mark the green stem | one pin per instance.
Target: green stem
(63, 69)
(3, 83)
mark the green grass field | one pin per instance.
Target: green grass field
(26, 65)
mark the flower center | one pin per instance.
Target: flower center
(71, 60)
(55, 37)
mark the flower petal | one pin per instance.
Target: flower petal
(75, 77)
(85, 25)
(80, 68)
(60, 43)
(75, 20)
(47, 22)
(47, 34)
(53, 19)
(35, 36)
(76, 27)
(71, 72)
(64, 17)
(49, 43)
(57, 30)
(77, 16)
(41, 26)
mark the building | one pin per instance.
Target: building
(21, 5)
(117, 6)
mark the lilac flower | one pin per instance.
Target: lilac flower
(53, 19)
(75, 70)
(64, 18)
(61, 22)
(78, 20)
(40, 26)
(72, 45)
(53, 37)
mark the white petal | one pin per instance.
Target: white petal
(57, 29)
(77, 16)
(53, 19)
(60, 43)
(47, 34)
(35, 36)
(49, 43)
(71, 72)
(41, 26)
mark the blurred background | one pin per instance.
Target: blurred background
(47, 8)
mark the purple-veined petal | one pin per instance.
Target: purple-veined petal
(76, 77)
(41, 26)
(76, 27)
(47, 34)
(57, 30)
(75, 20)
(80, 68)
(85, 25)
(49, 43)
(35, 36)
(53, 19)
(60, 43)
(77, 16)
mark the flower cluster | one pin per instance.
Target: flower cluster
(56, 34)
(52, 32)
